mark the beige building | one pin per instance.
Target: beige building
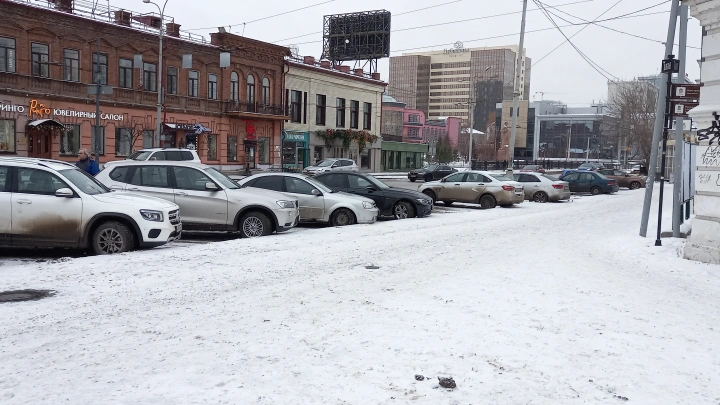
(338, 100)
(442, 83)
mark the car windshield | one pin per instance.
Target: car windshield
(500, 177)
(430, 167)
(139, 155)
(318, 185)
(85, 182)
(221, 178)
(379, 184)
(325, 163)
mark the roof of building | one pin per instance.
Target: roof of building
(334, 72)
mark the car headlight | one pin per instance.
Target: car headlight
(424, 201)
(368, 205)
(150, 215)
(286, 204)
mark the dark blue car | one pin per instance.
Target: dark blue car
(590, 182)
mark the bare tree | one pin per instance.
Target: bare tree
(140, 127)
(632, 116)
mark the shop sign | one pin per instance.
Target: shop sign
(196, 128)
(294, 137)
(37, 109)
(458, 48)
(12, 108)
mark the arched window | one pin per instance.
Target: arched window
(250, 89)
(266, 91)
(234, 86)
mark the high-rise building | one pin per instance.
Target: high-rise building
(443, 83)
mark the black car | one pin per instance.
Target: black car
(431, 172)
(391, 201)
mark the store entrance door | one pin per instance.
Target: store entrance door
(300, 157)
(39, 144)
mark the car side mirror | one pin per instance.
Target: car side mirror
(371, 188)
(64, 193)
(210, 186)
(442, 180)
(315, 192)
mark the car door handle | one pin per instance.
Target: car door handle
(457, 184)
(133, 189)
(24, 202)
(481, 184)
(180, 193)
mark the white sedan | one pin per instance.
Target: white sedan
(317, 202)
(542, 187)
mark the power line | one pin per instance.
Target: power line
(579, 31)
(265, 18)
(587, 59)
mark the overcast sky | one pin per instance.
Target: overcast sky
(563, 75)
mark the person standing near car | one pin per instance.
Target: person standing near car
(86, 163)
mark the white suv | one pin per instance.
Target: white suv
(173, 154)
(48, 203)
(332, 165)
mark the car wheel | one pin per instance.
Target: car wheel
(403, 210)
(412, 180)
(595, 191)
(487, 201)
(448, 203)
(342, 217)
(428, 177)
(255, 224)
(634, 185)
(430, 194)
(112, 237)
(540, 197)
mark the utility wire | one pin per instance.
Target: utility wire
(579, 31)
(265, 18)
(592, 64)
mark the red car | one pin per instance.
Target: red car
(533, 168)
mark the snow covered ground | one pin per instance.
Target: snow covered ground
(538, 304)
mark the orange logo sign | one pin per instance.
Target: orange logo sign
(37, 108)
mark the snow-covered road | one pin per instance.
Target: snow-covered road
(538, 304)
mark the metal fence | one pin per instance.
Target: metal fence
(547, 164)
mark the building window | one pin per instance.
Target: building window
(413, 133)
(266, 91)
(7, 136)
(340, 113)
(354, 113)
(100, 69)
(234, 86)
(7, 55)
(70, 140)
(193, 83)
(320, 109)
(295, 106)
(212, 147)
(367, 115)
(97, 140)
(126, 73)
(148, 136)
(123, 141)
(150, 77)
(40, 59)
(212, 87)
(71, 65)
(264, 151)
(232, 149)
(172, 80)
(250, 89)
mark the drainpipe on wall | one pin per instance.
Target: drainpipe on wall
(282, 105)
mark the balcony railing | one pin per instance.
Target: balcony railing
(253, 108)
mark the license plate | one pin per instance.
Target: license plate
(178, 228)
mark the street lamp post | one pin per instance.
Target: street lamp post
(158, 127)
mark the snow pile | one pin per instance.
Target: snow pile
(541, 304)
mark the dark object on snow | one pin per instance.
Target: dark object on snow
(621, 398)
(25, 295)
(372, 267)
(447, 382)
(419, 377)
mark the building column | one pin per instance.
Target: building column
(704, 241)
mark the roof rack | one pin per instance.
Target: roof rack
(33, 160)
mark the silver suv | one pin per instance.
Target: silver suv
(47, 203)
(208, 199)
(173, 154)
(332, 165)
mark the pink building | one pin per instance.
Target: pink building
(401, 124)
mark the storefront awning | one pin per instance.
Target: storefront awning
(45, 122)
(170, 125)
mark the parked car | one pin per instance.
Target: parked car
(332, 165)
(173, 154)
(590, 182)
(318, 203)
(391, 201)
(533, 168)
(47, 203)
(631, 181)
(592, 166)
(208, 199)
(431, 172)
(475, 187)
(542, 187)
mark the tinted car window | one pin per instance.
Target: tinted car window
(617, 173)
(4, 176)
(358, 182)
(158, 156)
(571, 177)
(150, 176)
(586, 176)
(31, 181)
(274, 183)
(186, 155)
(172, 155)
(119, 174)
(529, 178)
(455, 177)
(347, 162)
(334, 181)
(190, 179)
(474, 178)
(298, 186)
